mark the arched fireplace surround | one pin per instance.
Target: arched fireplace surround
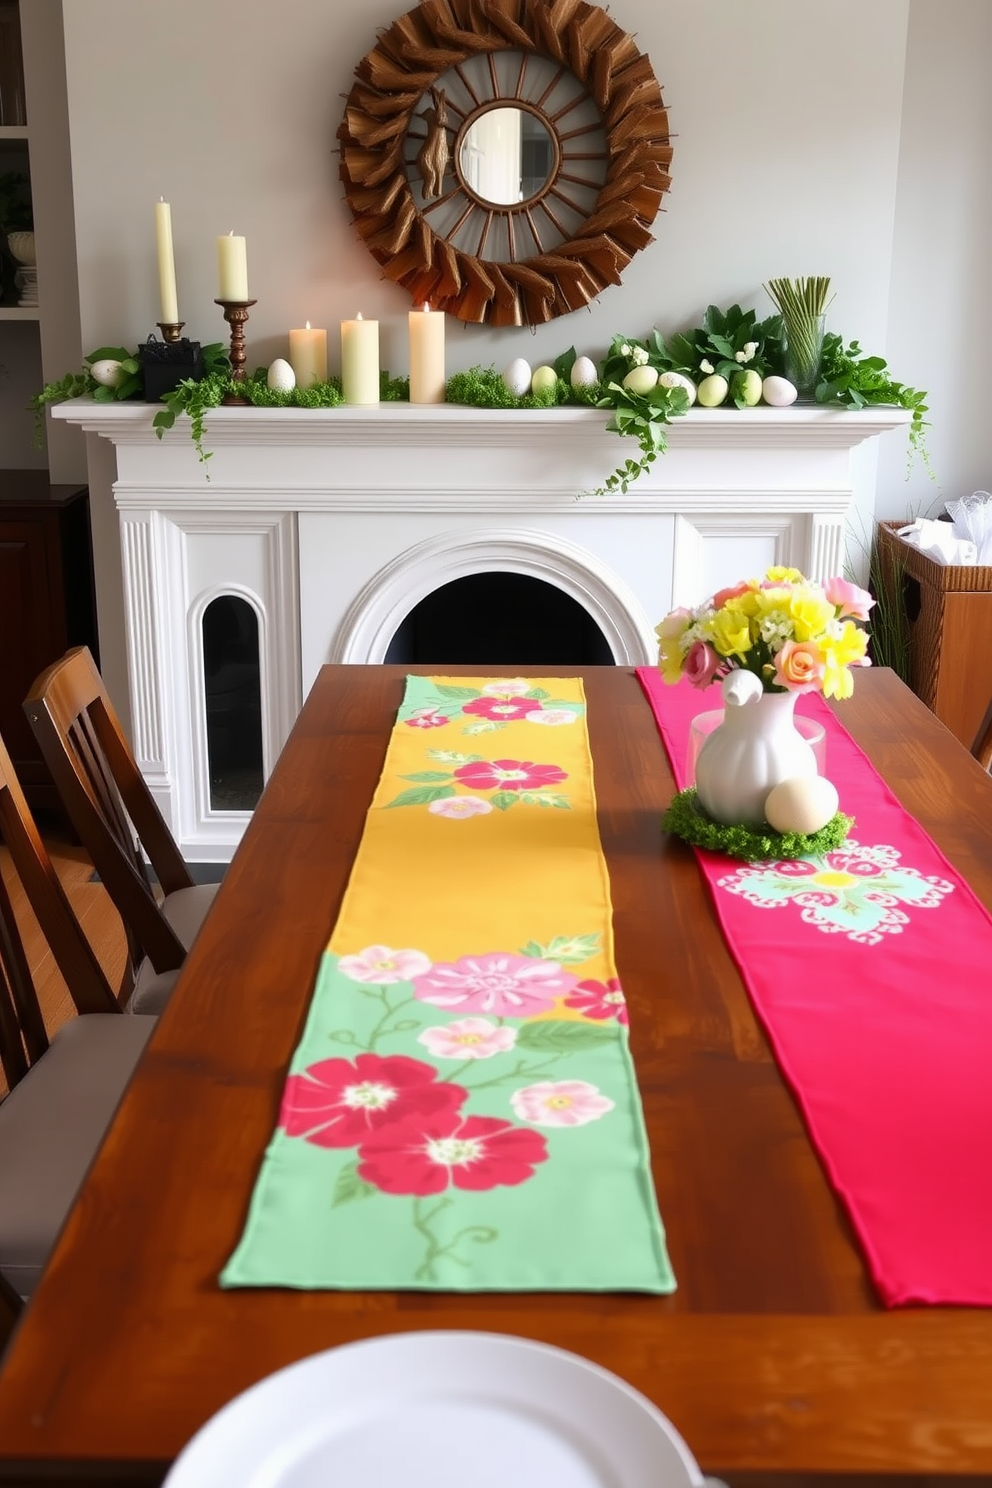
(331, 525)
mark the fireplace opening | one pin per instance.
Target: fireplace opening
(233, 699)
(499, 617)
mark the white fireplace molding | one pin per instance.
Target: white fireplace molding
(332, 524)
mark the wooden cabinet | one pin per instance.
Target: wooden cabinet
(46, 602)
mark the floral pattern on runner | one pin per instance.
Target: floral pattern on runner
(511, 781)
(854, 891)
(487, 709)
(410, 1122)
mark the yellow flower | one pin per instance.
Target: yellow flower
(811, 614)
(837, 680)
(779, 575)
(730, 633)
(850, 647)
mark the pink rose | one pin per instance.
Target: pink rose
(701, 664)
(799, 666)
(849, 599)
(722, 595)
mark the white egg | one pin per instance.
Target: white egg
(778, 392)
(517, 377)
(544, 380)
(584, 373)
(679, 380)
(712, 390)
(280, 377)
(106, 372)
(803, 804)
(641, 380)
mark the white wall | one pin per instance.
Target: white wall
(940, 320)
(850, 139)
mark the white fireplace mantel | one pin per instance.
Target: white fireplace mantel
(334, 523)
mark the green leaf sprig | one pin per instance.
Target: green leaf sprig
(853, 379)
(728, 343)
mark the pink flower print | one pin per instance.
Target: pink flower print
(560, 1103)
(382, 966)
(852, 602)
(510, 687)
(429, 1155)
(500, 709)
(701, 664)
(551, 717)
(425, 718)
(339, 1102)
(599, 1000)
(459, 807)
(468, 1038)
(501, 984)
(507, 774)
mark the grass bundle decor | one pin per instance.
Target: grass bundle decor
(802, 304)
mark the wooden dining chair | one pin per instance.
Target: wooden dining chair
(63, 1092)
(982, 745)
(118, 822)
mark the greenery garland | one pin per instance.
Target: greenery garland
(732, 344)
(685, 818)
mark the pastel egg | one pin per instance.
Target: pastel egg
(280, 376)
(544, 380)
(679, 380)
(517, 377)
(584, 373)
(107, 372)
(778, 392)
(641, 380)
(802, 804)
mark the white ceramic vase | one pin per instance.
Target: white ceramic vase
(756, 746)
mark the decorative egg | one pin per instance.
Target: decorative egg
(584, 373)
(778, 392)
(544, 380)
(801, 805)
(679, 380)
(712, 390)
(746, 387)
(517, 377)
(641, 380)
(106, 372)
(280, 377)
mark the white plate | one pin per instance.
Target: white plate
(438, 1410)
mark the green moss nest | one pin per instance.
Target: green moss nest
(685, 818)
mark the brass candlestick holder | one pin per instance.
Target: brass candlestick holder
(236, 314)
(171, 330)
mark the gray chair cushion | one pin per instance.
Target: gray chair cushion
(185, 910)
(51, 1126)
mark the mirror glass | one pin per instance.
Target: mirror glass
(506, 156)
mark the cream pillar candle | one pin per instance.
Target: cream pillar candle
(426, 355)
(308, 355)
(360, 360)
(168, 299)
(232, 268)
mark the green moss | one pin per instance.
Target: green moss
(685, 818)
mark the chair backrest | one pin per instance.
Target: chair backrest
(108, 802)
(982, 746)
(22, 1029)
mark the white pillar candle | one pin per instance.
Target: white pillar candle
(308, 355)
(426, 355)
(232, 268)
(168, 299)
(360, 360)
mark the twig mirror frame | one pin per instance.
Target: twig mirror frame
(409, 59)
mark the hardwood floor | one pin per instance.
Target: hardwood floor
(99, 920)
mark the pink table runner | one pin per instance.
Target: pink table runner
(871, 970)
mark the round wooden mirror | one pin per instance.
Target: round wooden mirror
(504, 159)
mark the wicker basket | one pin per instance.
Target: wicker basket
(948, 610)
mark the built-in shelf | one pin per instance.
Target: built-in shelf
(20, 312)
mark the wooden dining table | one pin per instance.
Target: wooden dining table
(774, 1358)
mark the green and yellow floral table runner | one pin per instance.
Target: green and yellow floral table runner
(462, 1113)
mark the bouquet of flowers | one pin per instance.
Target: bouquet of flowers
(794, 634)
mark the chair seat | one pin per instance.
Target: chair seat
(185, 910)
(51, 1126)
